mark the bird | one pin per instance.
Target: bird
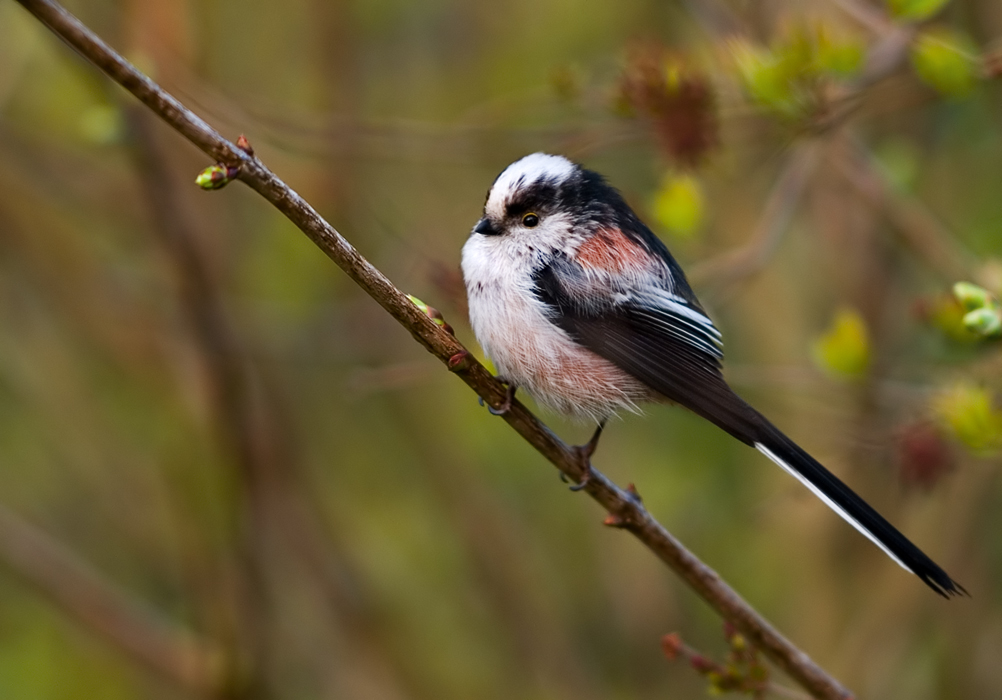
(575, 300)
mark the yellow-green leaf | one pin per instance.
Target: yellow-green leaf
(679, 205)
(767, 78)
(944, 59)
(841, 57)
(915, 10)
(968, 412)
(844, 349)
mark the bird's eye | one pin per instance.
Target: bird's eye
(530, 220)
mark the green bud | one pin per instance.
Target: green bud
(432, 313)
(418, 303)
(944, 60)
(971, 296)
(215, 177)
(984, 321)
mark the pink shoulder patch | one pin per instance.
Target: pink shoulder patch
(610, 249)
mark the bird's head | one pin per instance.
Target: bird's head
(546, 201)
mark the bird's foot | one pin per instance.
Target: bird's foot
(506, 404)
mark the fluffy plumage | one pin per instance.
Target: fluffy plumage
(580, 304)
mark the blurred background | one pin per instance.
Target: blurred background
(226, 473)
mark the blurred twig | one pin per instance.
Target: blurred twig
(867, 15)
(917, 227)
(103, 607)
(253, 431)
(233, 403)
(734, 265)
(742, 672)
(625, 508)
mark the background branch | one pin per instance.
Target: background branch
(105, 608)
(253, 431)
(625, 508)
(733, 266)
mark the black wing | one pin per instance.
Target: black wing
(662, 339)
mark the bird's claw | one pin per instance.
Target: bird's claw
(505, 406)
(585, 478)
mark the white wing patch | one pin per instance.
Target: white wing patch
(673, 315)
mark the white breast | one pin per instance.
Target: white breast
(530, 351)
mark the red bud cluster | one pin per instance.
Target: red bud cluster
(677, 99)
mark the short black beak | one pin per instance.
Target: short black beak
(485, 228)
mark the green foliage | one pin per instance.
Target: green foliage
(983, 312)
(844, 349)
(944, 59)
(946, 314)
(968, 412)
(679, 205)
(915, 10)
(786, 76)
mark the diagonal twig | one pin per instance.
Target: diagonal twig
(735, 265)
(915, 225)
(625, 508)
(80, 591)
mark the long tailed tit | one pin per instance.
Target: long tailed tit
(576, 301)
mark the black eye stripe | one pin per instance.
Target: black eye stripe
(536, 197)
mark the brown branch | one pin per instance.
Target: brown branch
(80, 591)
(625, 508)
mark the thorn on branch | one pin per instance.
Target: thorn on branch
(244, 145)
(216, 176)
(616, 521)
(631, 490)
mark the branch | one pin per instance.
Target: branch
(84, 594)
(917, 227)
(735, 265)
(625, 508)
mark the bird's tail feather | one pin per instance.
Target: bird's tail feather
(708, 395)
(857, 512)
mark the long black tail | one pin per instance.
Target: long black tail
(840, 498)
(719, 404)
